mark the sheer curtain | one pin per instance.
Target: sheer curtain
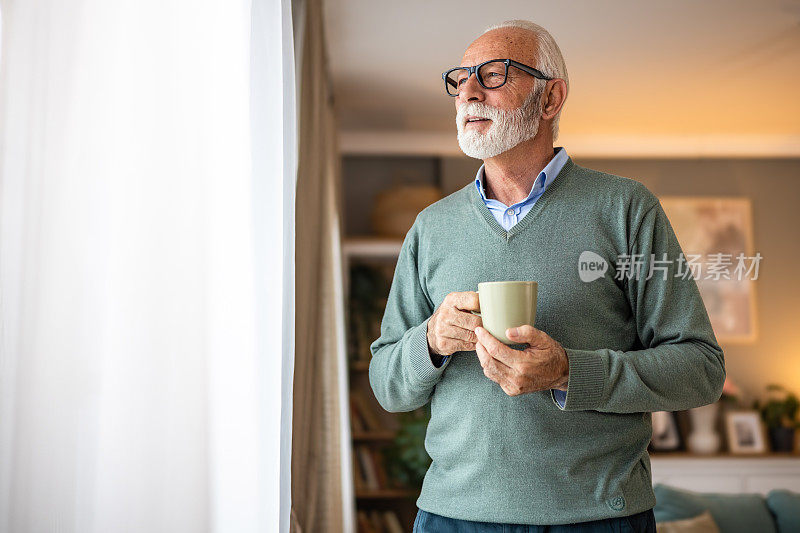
(322, 485)
(147, 182)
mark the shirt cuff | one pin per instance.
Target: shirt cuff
(559, 396)
(439, 360)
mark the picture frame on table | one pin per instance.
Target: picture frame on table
(746, 433)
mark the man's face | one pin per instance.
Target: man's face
(509, 114)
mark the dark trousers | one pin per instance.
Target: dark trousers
(644, 522)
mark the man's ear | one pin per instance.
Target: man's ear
(555, 94)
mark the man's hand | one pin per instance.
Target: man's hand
(542, 365)
(452, 327)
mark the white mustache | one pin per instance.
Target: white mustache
(478, 110)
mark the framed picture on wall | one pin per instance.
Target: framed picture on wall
(716, 236)
(746, 433)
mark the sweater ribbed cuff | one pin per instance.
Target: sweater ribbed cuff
(587, 379)
(420, 357)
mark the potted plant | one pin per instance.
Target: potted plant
(406, 457)
(779, 413)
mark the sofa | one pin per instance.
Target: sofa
(685, 511)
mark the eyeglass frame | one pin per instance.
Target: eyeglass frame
(508, 63)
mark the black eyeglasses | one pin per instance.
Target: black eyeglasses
(491, 74)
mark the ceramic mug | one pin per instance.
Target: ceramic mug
(506, 304)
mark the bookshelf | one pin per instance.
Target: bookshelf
(382, 503)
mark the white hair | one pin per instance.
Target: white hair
(549, 60)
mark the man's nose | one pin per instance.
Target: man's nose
(471, 90)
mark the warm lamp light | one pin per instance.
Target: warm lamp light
(729, 388)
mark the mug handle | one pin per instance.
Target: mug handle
(476, 312)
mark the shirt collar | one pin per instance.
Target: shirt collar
(545, 177)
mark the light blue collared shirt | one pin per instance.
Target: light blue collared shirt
(508, 216)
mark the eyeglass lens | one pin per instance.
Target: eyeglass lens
(492, 75)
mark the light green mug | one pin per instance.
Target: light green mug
(506, 304)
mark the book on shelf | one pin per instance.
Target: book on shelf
(365, 413)
(354, 331)
(365, 328)
(363, 336)
(358, 474)
(368, 332)
(369, 469)
(392, 522)
(357, 422)
(380, 470)
(378, 522)
(364, 523)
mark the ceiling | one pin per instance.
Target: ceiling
(663, 73)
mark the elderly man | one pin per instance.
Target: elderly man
(551, 433)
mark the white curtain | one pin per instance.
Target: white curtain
(147, 187)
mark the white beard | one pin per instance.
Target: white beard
(508, 129)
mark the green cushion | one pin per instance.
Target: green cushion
(733, 513)
(785, 505)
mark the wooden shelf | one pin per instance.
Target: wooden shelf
(386, 494)
(725, 455)
(382, 435)
(727, 472)
(359, 366)
(372, 247)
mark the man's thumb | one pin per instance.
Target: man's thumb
(522, 333)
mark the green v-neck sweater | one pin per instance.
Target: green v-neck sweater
(635, 345)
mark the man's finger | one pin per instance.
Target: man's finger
(465, 301)
(492, 368)
(451, 345)
(461, 334)
(497, 349)
(485, 357)
(494, 348)
(465, 319)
